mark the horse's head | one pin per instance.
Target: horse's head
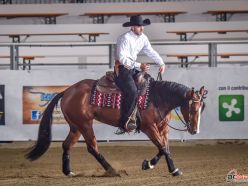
(193, 108)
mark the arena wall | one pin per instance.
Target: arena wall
(227, 82)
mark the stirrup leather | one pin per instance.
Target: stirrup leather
(130, 125)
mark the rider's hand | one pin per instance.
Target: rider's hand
(162, 69)
(144, 67)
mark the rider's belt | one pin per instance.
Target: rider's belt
(117, 67)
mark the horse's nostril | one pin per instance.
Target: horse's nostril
(193, 132)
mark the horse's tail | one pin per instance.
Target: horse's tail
(44, 134)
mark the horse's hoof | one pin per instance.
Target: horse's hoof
(147, 165)
(177, 172)
(112, 173)
(70, 174)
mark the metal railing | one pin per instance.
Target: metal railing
(15, 62)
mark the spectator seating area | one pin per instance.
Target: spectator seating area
(169, 15)
(77, 1)
(49, 18)
(184, 37)
(16, 38)
(100, 22)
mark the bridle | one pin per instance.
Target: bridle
(187, 124)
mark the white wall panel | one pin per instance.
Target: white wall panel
(211, 78)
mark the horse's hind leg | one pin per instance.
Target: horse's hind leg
(91, 142)
(71, 139)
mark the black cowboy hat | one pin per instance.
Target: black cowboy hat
(137, 21)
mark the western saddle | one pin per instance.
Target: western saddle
(106, 83)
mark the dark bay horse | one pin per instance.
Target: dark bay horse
(79, 113)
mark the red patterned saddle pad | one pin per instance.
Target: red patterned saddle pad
(113, 100)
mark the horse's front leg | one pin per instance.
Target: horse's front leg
(174, 171)
(150, 164)
(163, 131)
(159, 140)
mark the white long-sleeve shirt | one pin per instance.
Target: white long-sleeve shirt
(129, 45)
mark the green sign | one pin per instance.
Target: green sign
(231, 107)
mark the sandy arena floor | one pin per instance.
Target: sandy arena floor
(202, 164)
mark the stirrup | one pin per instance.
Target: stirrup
(120, 131)
(130, 126)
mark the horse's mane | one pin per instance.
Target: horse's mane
(168, 92)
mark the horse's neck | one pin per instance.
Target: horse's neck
(169, 107)
(165, 103)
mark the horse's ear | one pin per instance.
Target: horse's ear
(190, 94)
(192, 91)
(202, 90)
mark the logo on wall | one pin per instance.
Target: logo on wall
(175, 114)
(2, 114)
(35, 115)
(35, 101)
(231, 107)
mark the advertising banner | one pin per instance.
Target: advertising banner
(36, 99)
(2, 114)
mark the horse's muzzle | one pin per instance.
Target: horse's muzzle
(193, 132)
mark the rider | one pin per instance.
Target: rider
(128, 46)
